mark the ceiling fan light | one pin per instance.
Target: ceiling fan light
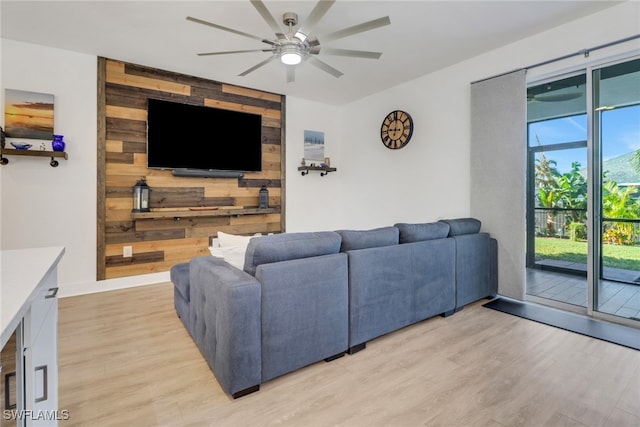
(290, 54)
(290, 58)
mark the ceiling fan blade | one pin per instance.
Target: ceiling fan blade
(324, 66)
(266, 15)
(258, 65)
(352, 53)
(291, 73)
(231, 30)
(233, 51)
(360, 28)
(319, 10)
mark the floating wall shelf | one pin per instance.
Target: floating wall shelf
(201, 212)
(33, 153)
(323, 170)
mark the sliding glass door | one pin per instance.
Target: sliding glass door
(583, 190)
(616, 138)
(557, 190)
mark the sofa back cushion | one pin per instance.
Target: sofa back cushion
(288, 246)
(424, 231)
(461, 226)
(363, 239)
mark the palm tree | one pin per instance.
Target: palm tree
(548, 194)
(620, 203)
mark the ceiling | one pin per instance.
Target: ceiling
(424, 36)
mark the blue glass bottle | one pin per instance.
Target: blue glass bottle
(57, 144)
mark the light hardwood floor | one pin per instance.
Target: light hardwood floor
(126, 360)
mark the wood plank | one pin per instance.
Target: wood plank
(101, 142)
(136, 97)
(137, 258)
(182, 246)
(183, 223)
(120, 226)
(252, 93)
(167, 197)
(127, 113)
(135, 236)
(119, 157)
(116, 74)
(134, 147)
(170, 76)
(161, 214)
(265, 112)
(114, 146)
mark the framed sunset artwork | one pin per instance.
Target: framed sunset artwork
(28, 115)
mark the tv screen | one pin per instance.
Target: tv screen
(184, 136)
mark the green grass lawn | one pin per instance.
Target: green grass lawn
(616, 256)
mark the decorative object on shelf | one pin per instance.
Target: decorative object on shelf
(28, 114)
(303, 163)
(304, 170)
(396, 129)
(58, 143)
(21, 146)
(327, 161)
(43, 147)
(263, 197)
(141, 196)
(2, 137)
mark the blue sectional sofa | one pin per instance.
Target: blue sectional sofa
(306, 297)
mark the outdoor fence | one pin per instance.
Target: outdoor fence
(571, 223)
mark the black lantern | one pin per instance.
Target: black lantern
(141, 196)
(263, 198)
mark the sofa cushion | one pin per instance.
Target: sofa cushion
(180, 278)
(460, 226)
(363, 239)
(288, 246)
(424, 231)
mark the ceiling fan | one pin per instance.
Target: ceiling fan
(298, 43)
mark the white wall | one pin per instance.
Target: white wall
(41, 205)
(313, 203)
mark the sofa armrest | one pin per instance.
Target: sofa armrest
(226, 304)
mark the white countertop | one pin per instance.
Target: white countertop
(21, 273)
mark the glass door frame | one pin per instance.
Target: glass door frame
(594, 190)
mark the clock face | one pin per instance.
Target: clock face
(396, 129)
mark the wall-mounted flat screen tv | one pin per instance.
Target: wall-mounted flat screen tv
(185, 136)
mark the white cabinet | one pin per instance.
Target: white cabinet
(29, 311)
(41, 358)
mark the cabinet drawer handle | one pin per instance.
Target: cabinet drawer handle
(52, 294)
(45, 382)
(7, 391)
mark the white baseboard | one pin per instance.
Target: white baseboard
(75, 289)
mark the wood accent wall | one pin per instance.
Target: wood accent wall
(159, 243)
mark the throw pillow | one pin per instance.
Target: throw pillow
(215, 248)
(233, 248)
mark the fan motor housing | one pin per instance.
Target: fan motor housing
(290, 19)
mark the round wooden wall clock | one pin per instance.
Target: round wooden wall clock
(396, 129)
